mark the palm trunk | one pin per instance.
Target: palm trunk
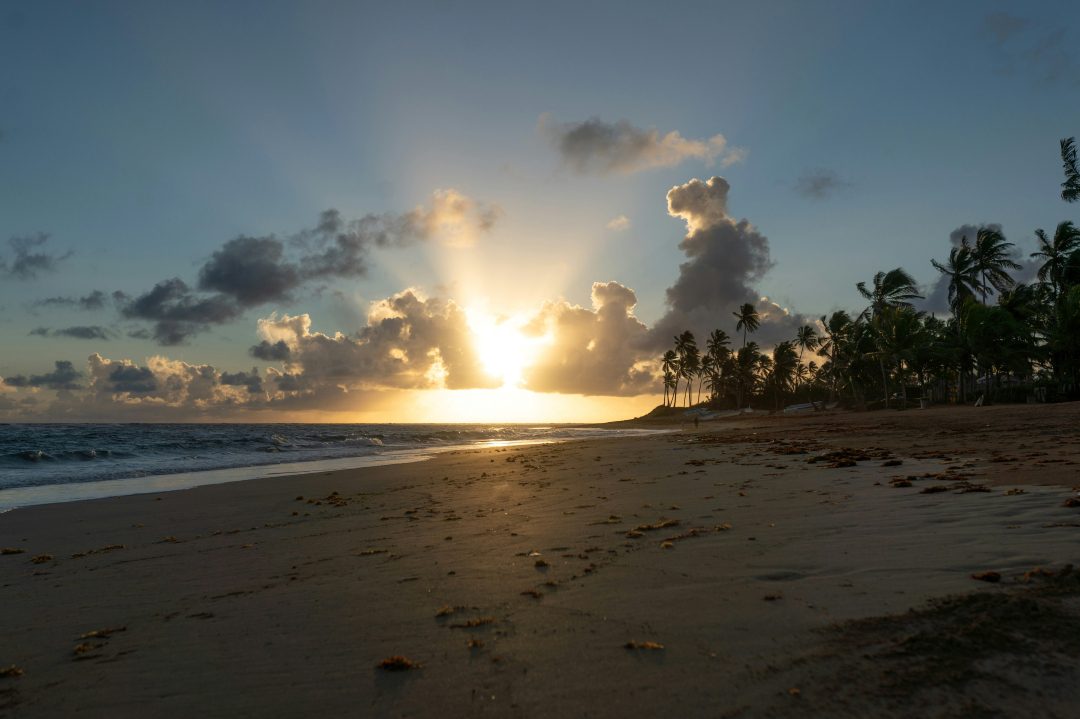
(884, 380)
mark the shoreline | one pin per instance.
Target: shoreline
(13, 498)
(517, 576)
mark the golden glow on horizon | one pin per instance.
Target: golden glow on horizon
(505, 351)
(514, 404)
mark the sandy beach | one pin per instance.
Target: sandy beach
(758, 567)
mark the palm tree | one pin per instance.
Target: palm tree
(670, 366)
(835, 327)
(717, 344)
(706, 369)
(1070, 189)
(748, 320)
(961, 271)
(785, 366)
(669, 386)
(992, 257)
(806, 338)
(897, 331)
(893, 288)
(747, 360)
(1055, 253)
(683, 342)
(691, 367)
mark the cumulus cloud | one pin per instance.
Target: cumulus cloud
(29, 259)
(819, 184)
(63, 377)
(619, 223)
(251, 381)
(409, 342)
(597, 351)
(248, 272)
(80, 332)
(596, 146)
(276, 352)
(93, 301)
(725, 259)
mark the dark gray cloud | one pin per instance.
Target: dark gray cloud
(177, 312)
(819, 184)
(63, 377)
(1000, 27)
(276, 352)
(1046, 54)
(81, 332)
(249, 380)
(596, 146)
(725, 259)
(132, 379)
(93, 301)
(29, 259)
(249, 272)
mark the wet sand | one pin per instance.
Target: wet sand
(514, 579)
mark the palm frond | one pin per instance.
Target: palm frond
(1070, 189)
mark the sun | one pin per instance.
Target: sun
(505, 350)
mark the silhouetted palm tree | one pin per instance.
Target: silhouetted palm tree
(785, 365)
(806, 338)
(717, 344)
(748, 320)
(893, 288)
(1055, 253)
(992, 256)
(961, 271)
(1070, 188)
(670, 366)
(835, 327)
(897, 332)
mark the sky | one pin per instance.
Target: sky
(331, 211)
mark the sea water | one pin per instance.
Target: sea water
(42, 463)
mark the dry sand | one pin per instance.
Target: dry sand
(514, 578)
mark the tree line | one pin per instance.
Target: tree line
(1004, 340)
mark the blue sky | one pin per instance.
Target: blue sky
(143, 135)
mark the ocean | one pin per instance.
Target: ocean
(42, 463)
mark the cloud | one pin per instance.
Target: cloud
(276, 352)
(819, 184)
(249, 380)
(1000, 27)
(93, 301)
(597, 351)
(63, 377)
(725, 259)
(177, 312)
(620, 223)
(89, 332)
(249, 272)
(409, 342)
(27, 263)
(596, 146)
(1045, 53)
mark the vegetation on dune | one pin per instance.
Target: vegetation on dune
(1003, 341)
